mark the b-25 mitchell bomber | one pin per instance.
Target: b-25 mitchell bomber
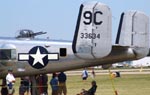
(91, 45)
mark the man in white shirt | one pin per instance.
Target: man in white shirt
(10, 80)
(84, 74)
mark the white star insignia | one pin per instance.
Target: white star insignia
(38, 57)
(35, 56)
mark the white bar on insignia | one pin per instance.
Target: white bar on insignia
(23, 56)
(52, 56)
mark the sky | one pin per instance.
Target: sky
(57, 17)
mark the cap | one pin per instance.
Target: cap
(10, 69)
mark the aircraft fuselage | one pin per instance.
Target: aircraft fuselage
(66, 58)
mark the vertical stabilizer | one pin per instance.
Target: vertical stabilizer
(92, 37)
(133, 31)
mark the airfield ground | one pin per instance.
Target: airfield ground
(131, 82)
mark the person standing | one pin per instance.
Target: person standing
(42, 84)
(62, 83)
(4, 90)
(22, 88)
(10, 80)
(45, 80)
(27, 82)
(84, 74)
(93, 73)
(54, 84)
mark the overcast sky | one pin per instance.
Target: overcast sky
(56, 17)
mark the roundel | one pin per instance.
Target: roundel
(38, 57)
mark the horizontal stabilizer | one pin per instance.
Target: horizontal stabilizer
(133, 31)
(92, 37)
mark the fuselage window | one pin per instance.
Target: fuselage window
(13, 54)
(7, 54)
(63, 52)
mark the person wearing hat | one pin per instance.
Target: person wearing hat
(10, 80)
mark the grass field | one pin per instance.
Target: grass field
(126, 85)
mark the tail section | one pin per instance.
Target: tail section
(133, 31)
(92, 37)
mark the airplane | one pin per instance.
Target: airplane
(91, 45)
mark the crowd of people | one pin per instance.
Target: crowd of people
(57, 83)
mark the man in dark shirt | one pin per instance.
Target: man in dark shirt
(4, 90)
(91, 91)
(62, 83)
(54, 84)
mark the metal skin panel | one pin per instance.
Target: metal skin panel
(83, 44)
(140, 30)
(141, 34)
(135, 32)
(93, 29)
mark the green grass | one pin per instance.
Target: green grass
(126, 85)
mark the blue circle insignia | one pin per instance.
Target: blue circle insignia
(38, 57)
